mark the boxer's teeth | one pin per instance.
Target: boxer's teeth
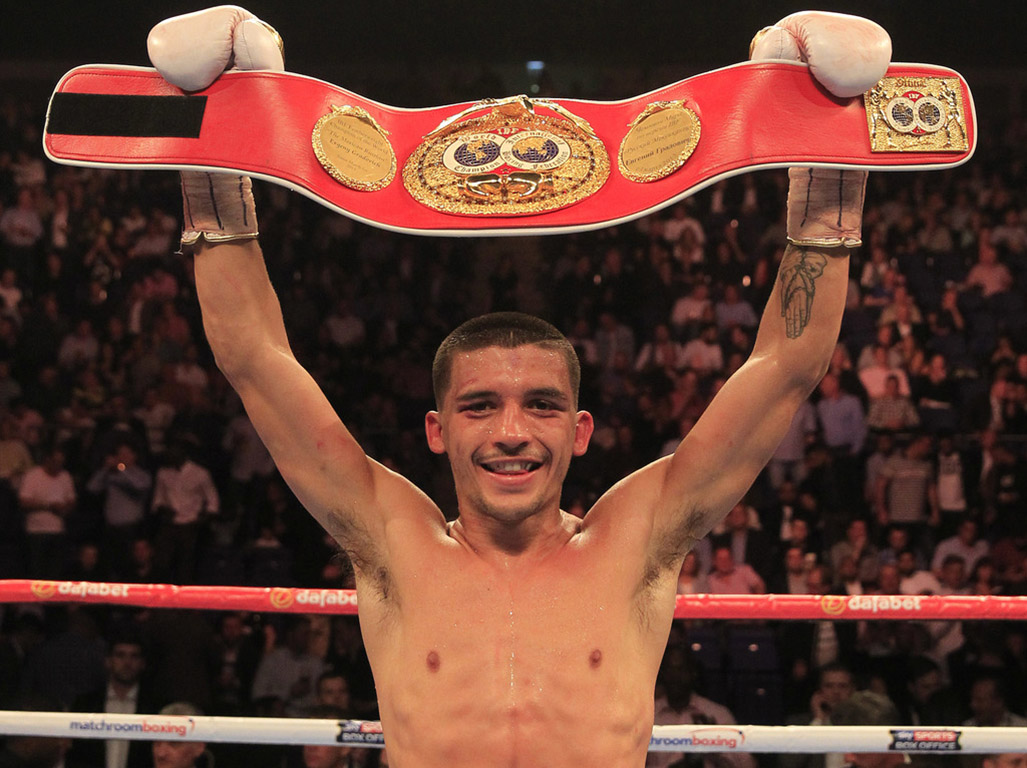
(511, 467)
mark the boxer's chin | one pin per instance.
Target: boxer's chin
(509, 509)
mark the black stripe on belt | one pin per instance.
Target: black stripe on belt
(88, 114)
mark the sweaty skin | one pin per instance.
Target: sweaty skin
(553, 634)
(517, 635)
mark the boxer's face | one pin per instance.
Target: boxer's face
(509, 428)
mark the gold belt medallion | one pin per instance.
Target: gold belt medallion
(916, 114)
(659, 141)
(354, 149)
(510, 161)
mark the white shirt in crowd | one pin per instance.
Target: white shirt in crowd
(188, 491)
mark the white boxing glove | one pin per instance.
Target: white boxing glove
(848, 55)
(190, 51)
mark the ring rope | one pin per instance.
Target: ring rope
(368, 733)
(344, 601)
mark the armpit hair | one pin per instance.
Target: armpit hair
(362, 551)
(678, 540)
(666, 555)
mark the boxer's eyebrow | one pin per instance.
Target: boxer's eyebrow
(558, 396)
(477, 394)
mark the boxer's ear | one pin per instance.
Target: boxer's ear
(433, 431)
(584, 426)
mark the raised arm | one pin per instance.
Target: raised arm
(740, 430)
(346, 491)
(690, 491)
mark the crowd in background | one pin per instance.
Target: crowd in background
(125, 456)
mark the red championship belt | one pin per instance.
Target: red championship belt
(515, 166)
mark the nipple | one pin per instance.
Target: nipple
(433, 661)
(595, 659)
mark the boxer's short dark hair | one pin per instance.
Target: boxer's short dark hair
(501, 329)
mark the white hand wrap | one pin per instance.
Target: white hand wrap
(217, 207)
(825, 207)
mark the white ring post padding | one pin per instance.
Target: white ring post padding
(813, 739)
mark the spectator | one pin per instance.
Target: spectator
(180, 754)
(844, 429)
(874, 377)
(1005, 760)
(794, 573)
(896, 540)
(965, 545)
(678, 703)
(857, 547)
(892, 410)
(835, 686)
(327, 756)
(732, 310)
(989, 702)
(333, 691)
(869, 708)
(287, 673)
(690, 580)
(21, 230)
(70, 662)
(692, 309)
(24, 633)
(748, 544)
(183, 494)
(125, 487)
(78, 348)
(15, 459)
(936, 397)
(1004, 489)
(235, 656)
(928, 700)
(915, 581)
(731, 578)
(34, 751)
(47, 496)
(989, 275)
(952, 485)
(907, 493)
(123, 694)
(660, 355)
(613, 339)
(703, 353)
(787, 461)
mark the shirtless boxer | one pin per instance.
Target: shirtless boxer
(518, 635)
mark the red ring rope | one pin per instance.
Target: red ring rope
(344, 601)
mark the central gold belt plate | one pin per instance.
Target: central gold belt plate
(510, 161)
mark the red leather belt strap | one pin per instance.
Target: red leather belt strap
(754, 115)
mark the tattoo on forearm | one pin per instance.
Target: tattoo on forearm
(799, 272)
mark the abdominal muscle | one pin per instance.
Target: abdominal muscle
(551, 668)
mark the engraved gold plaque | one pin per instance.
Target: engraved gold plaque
(510, 161)
(354, 149)
(916, 114)
(659, 141)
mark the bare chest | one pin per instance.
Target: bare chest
(520, 658)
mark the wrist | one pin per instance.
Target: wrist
(825, 208)
(217, 207)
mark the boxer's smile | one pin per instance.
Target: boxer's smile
(509, 427)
